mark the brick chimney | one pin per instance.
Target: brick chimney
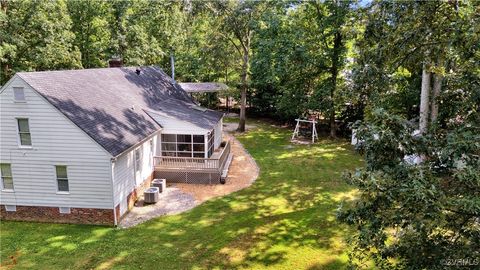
(115, 62)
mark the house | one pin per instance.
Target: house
(79, 146)
(204, 87)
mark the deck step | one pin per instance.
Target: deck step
(227, 166)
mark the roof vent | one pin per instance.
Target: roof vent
(138, 71)
(115, 62)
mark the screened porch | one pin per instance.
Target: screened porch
(193, 158)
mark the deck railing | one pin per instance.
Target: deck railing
(189, 163)
(224, 156)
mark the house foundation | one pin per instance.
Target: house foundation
(52, 214)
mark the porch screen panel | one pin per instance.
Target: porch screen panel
(183, 145)
(211, 141)
(169, 145)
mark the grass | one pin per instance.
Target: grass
(285, 220)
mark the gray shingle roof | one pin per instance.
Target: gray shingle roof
(110, 104)
(184, 111)
(203, 87)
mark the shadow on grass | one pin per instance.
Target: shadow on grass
(287, 215)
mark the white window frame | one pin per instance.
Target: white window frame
(151, 143)
(56, 178)
(24, 100)
(176, 151)
(64, 210)
(11, 208)
(138, 167)
(11, 176)
(19, 140)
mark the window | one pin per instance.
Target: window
(151, 147)
(25, 138)
(6, 175)
(183, 145)
(64, 210)
(152, 151)
(18, 94)
(169, 138)
(198, 139)
(138, 159)
(62, 178)
(183, 138)
(10, 208)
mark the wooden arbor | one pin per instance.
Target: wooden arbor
(297, 129)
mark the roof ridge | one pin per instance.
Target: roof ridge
(85, 69)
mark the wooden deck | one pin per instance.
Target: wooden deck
(193, 170)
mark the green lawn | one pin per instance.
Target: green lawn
(286, 220)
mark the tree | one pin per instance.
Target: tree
(337, 13)
(90, 21)
(300, 58)
(238, 24)
(285, 65)
(206, 55)
(418, 215)
(36, 35)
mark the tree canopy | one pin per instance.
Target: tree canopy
(419, 204)
(409, 70)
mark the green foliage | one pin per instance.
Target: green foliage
(417, 215)
(90, 24)
(206, 55)
(399, 36)
(36, 35)
(297, 61)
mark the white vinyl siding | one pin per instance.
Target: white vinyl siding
(56, 140)
(174, 126)
(125, 175)
(218, 133)
(6, 175)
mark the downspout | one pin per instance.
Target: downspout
(112, 160)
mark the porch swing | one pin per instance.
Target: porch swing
(305, 128)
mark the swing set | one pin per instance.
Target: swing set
(302, 129)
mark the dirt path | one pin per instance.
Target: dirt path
(182, 197)
(242, 173)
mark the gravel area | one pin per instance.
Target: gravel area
(179, 197)
(172, 201)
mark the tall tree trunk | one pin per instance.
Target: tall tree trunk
(424, 99)
(243, 99)
(437, 88)
(3, 5)
(337, 43)
(227, 96)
